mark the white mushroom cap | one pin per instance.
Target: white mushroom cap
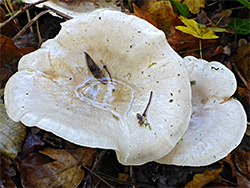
(215, 128)
(77, 7)
(55, 90)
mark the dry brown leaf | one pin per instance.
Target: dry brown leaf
(244, 93)
(85, 155)
(6, 172)
(9, 56)
(144, 15)
(123, 177)
(195, 5)
(199, 180)
(242, 161)
(9, 51)
(242, 60)
(229, 160)
(181, 41)
(55, 168)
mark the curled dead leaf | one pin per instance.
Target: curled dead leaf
(199, 180)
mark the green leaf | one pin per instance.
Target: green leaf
(246, 3)
(241, 26)
(182, 8)
(218, 29)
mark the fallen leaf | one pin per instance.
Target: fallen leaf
(182, 8)
(229, 160)
(199, 180)
(12, 134)
(6, 172)
(31, 141)
(51, 168)
(85, 155)
(9, 56)
(240, 26)
(123, 177)
(192, 28)
(161, 11)
(182, 41)
(10, 29)
(242, 161)
(242, 60)
(244, 93)
(9, 51)
(195, 5)
(143, 15)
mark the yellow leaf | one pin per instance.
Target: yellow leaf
(192, 28)
(199, 180)
(161, 11)
(195, 5)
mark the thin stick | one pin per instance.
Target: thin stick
(28, 16)
(20, 12)
(65, 16)
(38, 32)
(103, 180)
(149, 101)
(29, 24)
(200, 49)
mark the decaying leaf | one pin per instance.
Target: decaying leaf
(144, 15)
(9, 51)
(55, 168)
(6, 172)
(9, 56)
(239, 162)
(180, 41)
(244, 93)
(162, 11)
(192, 28)
(12, 134)
(195, 5)
(242, 60)
(199, 180)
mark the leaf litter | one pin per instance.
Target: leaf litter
(47, 160)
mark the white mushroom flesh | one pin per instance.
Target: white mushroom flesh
(216, 127)
(55, 90)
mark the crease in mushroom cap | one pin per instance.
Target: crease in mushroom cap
(215, 128)
(55, 90)
(77, 7)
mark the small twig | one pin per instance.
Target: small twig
(239, 74)
(20, 12)
(38, 32)
(149, 101)
(65, 16)
(105, 67)
(28, 16)
(29, 24)
(200, 49)
(103, 180)
(226, 100)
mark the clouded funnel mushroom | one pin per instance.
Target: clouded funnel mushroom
(217, 126)
(108, 80)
